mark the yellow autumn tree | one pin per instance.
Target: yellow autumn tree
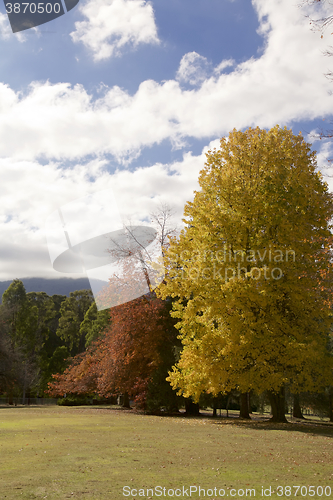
(251, 272)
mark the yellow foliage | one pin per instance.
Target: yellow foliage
(251, 272)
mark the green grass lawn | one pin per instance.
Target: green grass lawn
(92, 453)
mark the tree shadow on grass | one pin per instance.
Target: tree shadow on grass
(259, 424)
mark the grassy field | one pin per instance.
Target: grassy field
(92, 453)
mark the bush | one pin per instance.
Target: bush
(75, 401)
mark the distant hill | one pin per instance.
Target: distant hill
(59, 286)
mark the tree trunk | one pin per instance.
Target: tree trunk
(126, 402)
(277, 401)
(244, 406)
(297, 411)
(227, 405)
(10, 397)
(24, 382)
(249, 402)
(330, 396)
(191, 408)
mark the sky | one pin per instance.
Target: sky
(129, 95)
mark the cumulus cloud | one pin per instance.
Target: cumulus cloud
(223, 64)
(324, 148)
(6, 32)
(59, 122)
(286, 83)
(195, 69)
(30, 192)
(113, 24)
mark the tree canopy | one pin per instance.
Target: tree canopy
(73, 310)
(124, 358)
(251, 272)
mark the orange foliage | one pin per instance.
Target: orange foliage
(124, 358)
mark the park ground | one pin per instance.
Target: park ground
(91, 453)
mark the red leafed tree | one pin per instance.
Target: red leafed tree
(124, 359)
(130, 350)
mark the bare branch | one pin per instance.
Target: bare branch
(163, 220)
(136, 250)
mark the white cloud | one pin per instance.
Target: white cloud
(6, 32)
(226, 63)
(113, 24)
(30, 192)
(286, 83)
(193, 68)
(324, 148)
(60, 122)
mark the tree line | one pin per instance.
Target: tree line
(38, 333)
(249, 280)
(245, 306)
